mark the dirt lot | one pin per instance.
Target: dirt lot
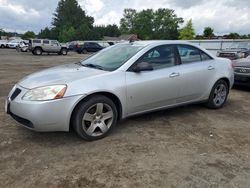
(189, 146)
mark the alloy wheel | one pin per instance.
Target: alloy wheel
(98, 119)
(220, 94)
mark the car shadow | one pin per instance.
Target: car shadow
(243, 88)
(54, 139)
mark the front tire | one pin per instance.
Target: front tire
(64, 51)
(84, 51)
(218, 95)
(95, 118)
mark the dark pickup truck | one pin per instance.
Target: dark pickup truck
(236, 51)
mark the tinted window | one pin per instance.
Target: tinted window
(189, 54)
(36, 41)
(86, 44)
(45, 42)
(159, 57)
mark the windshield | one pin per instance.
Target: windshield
(112, 58)
(240, 45)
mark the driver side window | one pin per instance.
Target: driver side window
(159, 57)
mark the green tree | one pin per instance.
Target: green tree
(166, 24)
(28, 35)
(233, 36)
(70, 17)
(187, 32)
(67, 34)
(149, 24)
(128, 21)
(208, 32)
(45, 33)
(143, 25)
(109, 30)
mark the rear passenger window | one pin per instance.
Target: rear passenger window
(189, 54)
(160, 57)
(45, 42)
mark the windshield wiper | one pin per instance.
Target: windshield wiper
(93, 66)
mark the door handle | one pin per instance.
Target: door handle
(210, 68)
(174, 74)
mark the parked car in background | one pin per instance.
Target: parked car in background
(242, 72)
(117, 82)
(104, 44)
(39, 46)
(22, 46)
(13, 44)
(236, 51)
(3, 43)
(89, 47)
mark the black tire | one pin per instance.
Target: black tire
(85, 107)
(211, 103)
(63, 51)
(2, 46)
(38, 51)
(33, 52)
(84, 51)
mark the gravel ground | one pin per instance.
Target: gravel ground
(189, 146)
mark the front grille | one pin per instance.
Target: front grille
(242, 70)
(242, 78)
(15, 93)
(231, 56)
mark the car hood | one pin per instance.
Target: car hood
(63, 74)
(242, 63)
(233, 50)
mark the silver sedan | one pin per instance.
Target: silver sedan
(120, 81)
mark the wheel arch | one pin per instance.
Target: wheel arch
(38, 47)
(226, 80)
(109, 95)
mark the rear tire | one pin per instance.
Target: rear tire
(94, 118)
(2, 46)
(38, 51)
(218, 95)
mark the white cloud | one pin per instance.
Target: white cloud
(223, 15)
(109, 18)
(92, 6)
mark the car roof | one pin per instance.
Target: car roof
(157, 42)
(152, 43)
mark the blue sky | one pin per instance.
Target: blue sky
(223, 15)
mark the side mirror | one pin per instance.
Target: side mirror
(143, 66)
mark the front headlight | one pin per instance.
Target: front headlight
(241, 54)
(45, 93)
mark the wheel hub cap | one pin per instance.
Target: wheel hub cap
(97, 119)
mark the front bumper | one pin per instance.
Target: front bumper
(242, 79)
(42, 116)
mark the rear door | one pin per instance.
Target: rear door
(55, 46)
(46, 45)
(148, 90)
(197, 71)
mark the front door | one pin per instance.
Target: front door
(148, 90)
